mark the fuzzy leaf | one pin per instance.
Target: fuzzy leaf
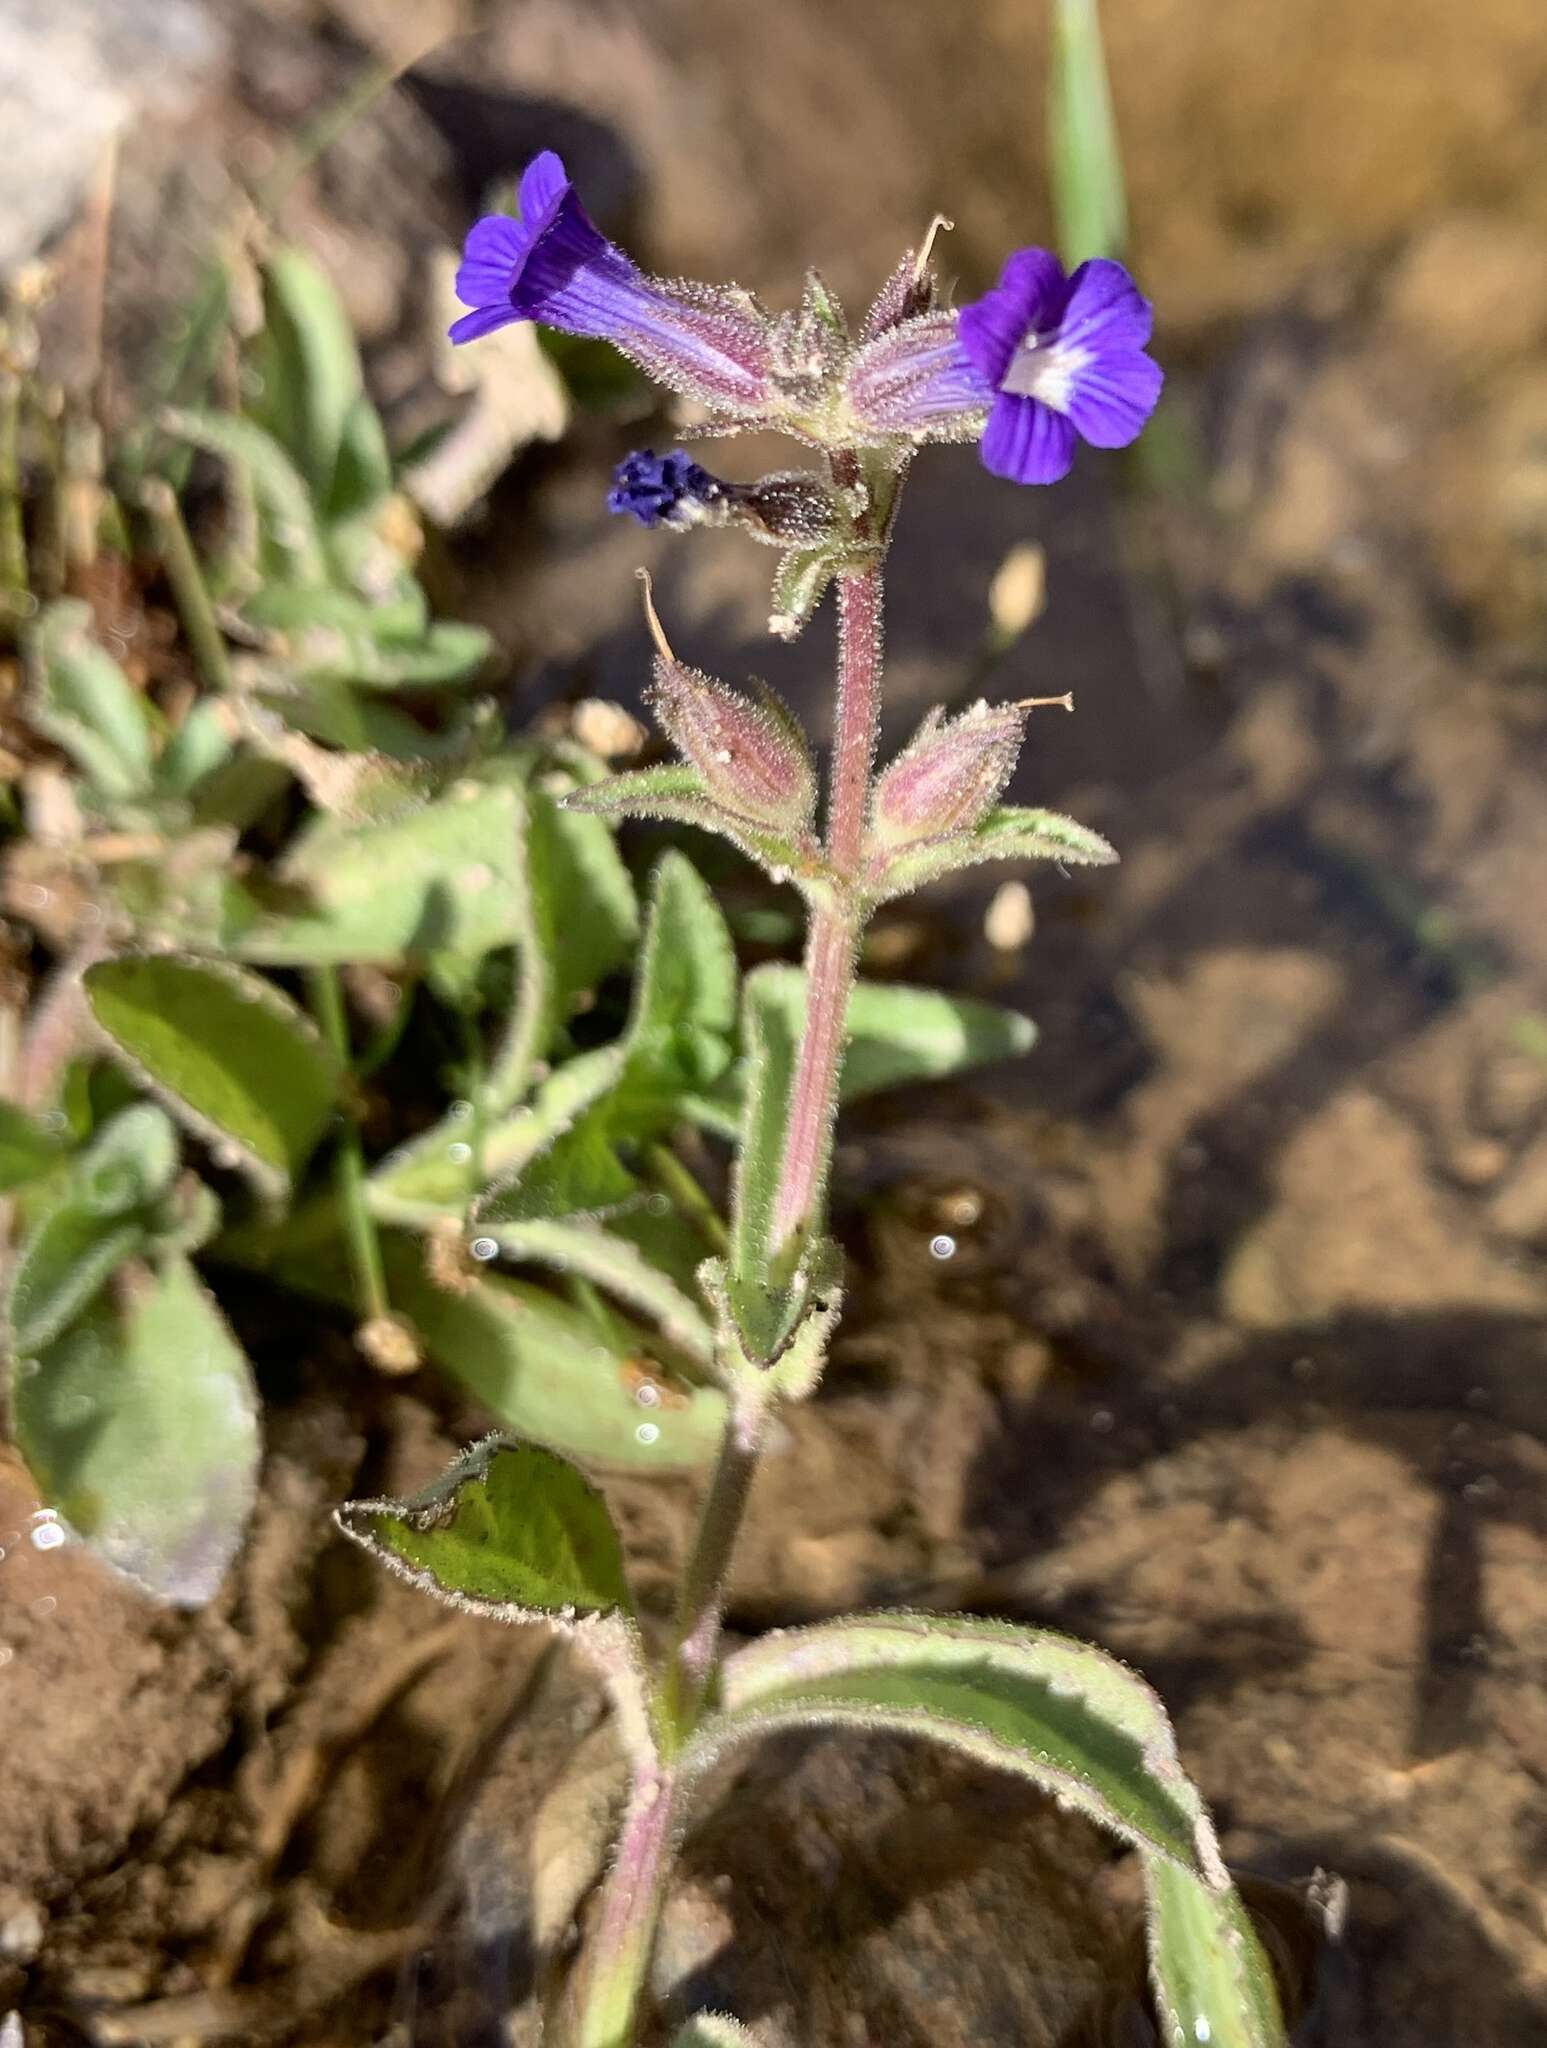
(81, 699)
(684, 1007)
(28, 1148)
(544, 1370)
(430, 1173)
(228, 1052)
(98, 1218)
(1211, 1979)
(454, 866)
(290, 531)
(764, 1302)
(1059, 1712)
(307, 368)
(577, 1244)
(363, 479)
(1009, 832)
(61, 1267)
(447, 653)
(510, 1531)
(583, 914)
(200, 745)
(897, 1034)
(141, 1427)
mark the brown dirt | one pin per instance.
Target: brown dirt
(1239, 1369)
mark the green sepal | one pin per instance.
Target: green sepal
(1009, 832)
(800, 583)
(676, 793)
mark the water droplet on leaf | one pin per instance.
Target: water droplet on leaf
(942, 1247)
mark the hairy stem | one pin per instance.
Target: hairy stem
(701, 1601)
(833, 940)
(618, 1952)
(619, 1947)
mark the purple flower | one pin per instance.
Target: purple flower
(666, 490)
(1064, 356)
(1038, 360)
(554, 265)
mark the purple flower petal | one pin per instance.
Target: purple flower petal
(1029, 298)
(482, 320)
(1105, 309)
(543, 184)
(493, 252)
(1027, 441)
(1112, 397)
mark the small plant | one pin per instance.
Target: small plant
(513, 1530)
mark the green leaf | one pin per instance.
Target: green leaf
(292, 538)
(455, 867)
(131, 1162)
(363, 478)
(296, 609)
(1211, 1978)
(684, 1004)
(1085, 160)
(1059, 1712)
(544, 1370)
(762, 1300)
(430, 1173)
(897, 1034)
(510, 1531)
(1009, 832)
(99, 1218)
(447, 653)
(229, 1053)
(61, 1267)
(577, 1244)
(306, 367)
(141, 1428)
(200, 745)
(81, 699)
(584, 916)
(28, 1148)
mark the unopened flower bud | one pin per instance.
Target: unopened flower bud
(751, 754)
(949, 774)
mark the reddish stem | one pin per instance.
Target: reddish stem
(833, 940)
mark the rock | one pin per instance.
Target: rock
(73, 75)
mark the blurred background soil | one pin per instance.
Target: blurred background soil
(1239, 1363)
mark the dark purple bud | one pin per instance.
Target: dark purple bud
(668, 490)
(791, 508)
(948, 776)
